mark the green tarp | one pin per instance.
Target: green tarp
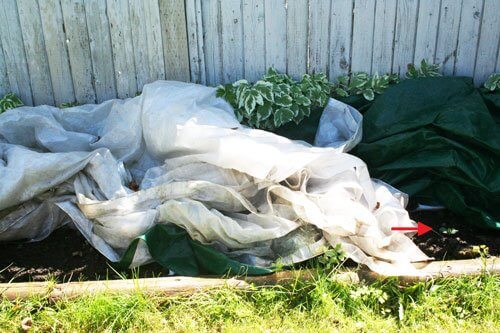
(171, 247)
(438, 139)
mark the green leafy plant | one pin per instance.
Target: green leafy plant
(362, 83)
(276, 99)
(332, 257)
(493, 82)
(10, 101)
(425, 70)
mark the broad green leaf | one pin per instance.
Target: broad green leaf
(303, 100)
(341, 92)
(264, 111)
(249, 104)
(368, 94)
(266, 92)
(282, 116)
(240, 82)
(283, 100)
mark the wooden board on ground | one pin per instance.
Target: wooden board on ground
(171, 286)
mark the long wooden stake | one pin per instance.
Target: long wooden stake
(170, 286)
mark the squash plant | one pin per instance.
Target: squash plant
(276, 99)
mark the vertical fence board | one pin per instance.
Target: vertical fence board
(4, 79)
(427, 29)
(254, 43)
(296, 37)
(34, 46)
(13, 50)
(139, 41)
(404, 39)
(319, 39)
(468, 37)
(232, 41)
(447, 40)
(78, 50)
(275, 22)
(488, 44)
(57, 52)
(155, 42)
(212, 41)
(100, 39)
(383, 36)
(123, 49)
(362, 35)
(340, 38)
(175, 43)
(194, 26)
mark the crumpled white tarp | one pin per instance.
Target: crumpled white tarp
(251, 194)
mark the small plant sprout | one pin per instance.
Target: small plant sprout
(332, 257)
(493, 82)
(448, 230)
(10, 101)
(363, 84)
(425, 70)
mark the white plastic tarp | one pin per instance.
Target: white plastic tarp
(251, 194)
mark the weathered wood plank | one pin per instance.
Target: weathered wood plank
(194, 27)
(296, 37)
(383, 36)
(57, 52)
(34, 46)
(183, 285)
(13, 50)
(211, 22)
(487, 52)
(427, 29)
(254, 44)
(404, 38)
(155, 43)
(447, 40)
(175, 42)
(232, 41)
(100, 49)
(78, 50)
(340, 38)
(275, 23)
(4, 79)
(362, 35)
(139, 41)
(468, 37)
(319, 39)
(123, 49)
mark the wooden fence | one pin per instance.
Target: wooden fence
(56, 51)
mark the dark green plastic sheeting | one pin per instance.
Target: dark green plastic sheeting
(171, 247)
(438, 139)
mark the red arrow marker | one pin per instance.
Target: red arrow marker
(420, 228)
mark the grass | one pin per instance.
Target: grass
(453, 305)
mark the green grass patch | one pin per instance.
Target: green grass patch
(453, 305)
